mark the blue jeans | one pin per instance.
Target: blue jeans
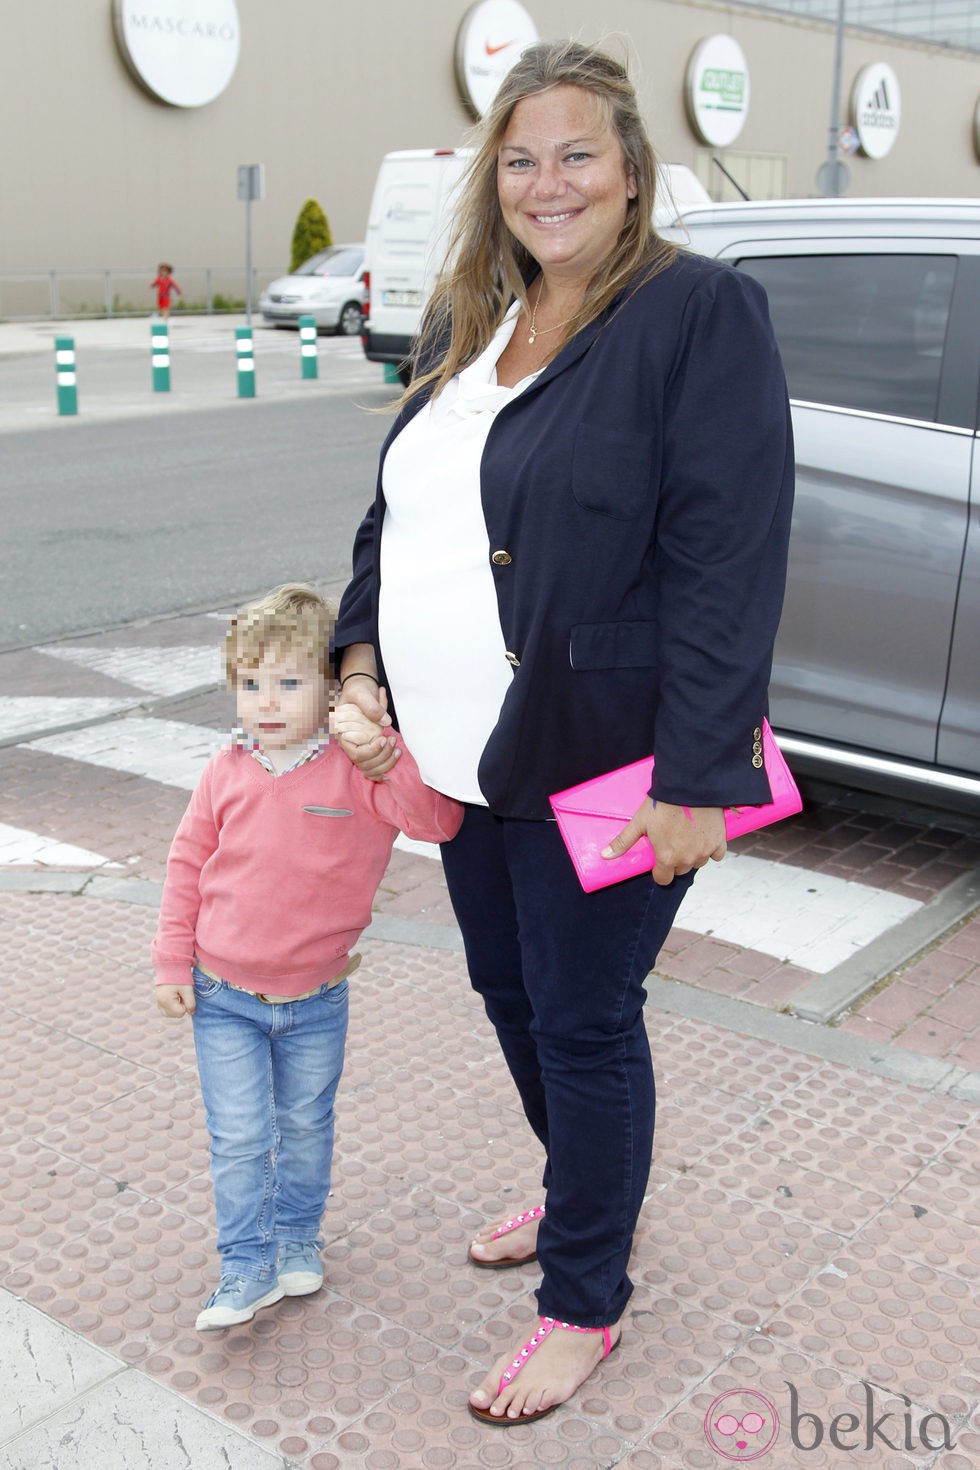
(561, 973)
(269, 1074)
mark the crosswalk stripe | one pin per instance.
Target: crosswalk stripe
(24, 714)
(19, 847)
(163, 671)
(168, 751)
(810, 919)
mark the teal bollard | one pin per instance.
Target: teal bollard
(391, 373)
(307, 346)
(65, 375)
(160, 356)
(245, 348)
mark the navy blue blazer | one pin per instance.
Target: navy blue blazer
(638, 499)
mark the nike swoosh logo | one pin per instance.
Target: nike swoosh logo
(492, 50)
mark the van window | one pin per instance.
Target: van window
(860, 331)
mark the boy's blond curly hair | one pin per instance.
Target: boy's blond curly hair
(291, 619)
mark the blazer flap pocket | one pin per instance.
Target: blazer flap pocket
(611, 470)
(614, 645)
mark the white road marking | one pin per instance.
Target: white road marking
(26, 713)
(806, 918)
(163, 671)
(19, 847)
(167, 751)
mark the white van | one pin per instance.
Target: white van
(406, 239)
(408, 233)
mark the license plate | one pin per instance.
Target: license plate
(402, 298)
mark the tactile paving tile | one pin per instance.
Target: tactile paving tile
(68, 1079)
(47, 1200)
(757, 1378)
(688, 1052)
(693, 1121)
(900, 1324)
(409, 1264)
(902, 1117)
(156, 1141)
(700, 1245)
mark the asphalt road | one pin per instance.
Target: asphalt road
(144, 516)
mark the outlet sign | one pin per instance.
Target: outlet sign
(491, 36)
(717, 90)
(183, 52)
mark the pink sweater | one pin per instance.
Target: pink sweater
(268, 891)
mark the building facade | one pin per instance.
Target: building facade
(100, 170)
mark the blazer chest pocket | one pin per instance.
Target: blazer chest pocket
(611, 470)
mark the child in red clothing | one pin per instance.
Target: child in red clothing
(164, 284)
(269, 885)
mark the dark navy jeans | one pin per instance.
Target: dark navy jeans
(561, 973)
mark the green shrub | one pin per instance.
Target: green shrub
(312, 233)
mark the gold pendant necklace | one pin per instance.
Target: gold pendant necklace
(542, 331)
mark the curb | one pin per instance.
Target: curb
(826, 998)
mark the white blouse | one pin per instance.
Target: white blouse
(439, 626)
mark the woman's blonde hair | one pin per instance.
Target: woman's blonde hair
(292, 619)
(486, 266)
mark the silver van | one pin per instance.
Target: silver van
(876, 307)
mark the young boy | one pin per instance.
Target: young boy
(269, 884)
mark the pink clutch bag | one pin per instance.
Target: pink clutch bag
(590, 815)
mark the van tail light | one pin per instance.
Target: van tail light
(367, 298)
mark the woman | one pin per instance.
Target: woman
(576, 556)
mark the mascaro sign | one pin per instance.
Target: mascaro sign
(876, 109)
(717, 90)
(490, 38)
(182, 51)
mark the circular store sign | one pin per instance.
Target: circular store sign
(182, 51)
(717, 90)
(490, 38)
(876, 109)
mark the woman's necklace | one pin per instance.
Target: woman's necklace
(543, 331)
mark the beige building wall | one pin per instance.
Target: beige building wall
(96, 173)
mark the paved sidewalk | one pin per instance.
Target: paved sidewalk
(809, 1244)
(114, 378)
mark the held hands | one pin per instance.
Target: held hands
(682, 838)
(176, 1000)
(361, 722)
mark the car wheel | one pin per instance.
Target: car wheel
(404, 373)
(351, 320)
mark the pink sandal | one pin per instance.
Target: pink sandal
(515, 1224)
(546, 1325)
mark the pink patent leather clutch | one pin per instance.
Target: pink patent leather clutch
(590, 815)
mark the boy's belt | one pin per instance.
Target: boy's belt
(280, 1000)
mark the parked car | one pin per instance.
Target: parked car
(329, 287)
(876, 306)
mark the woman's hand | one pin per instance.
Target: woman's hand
(682, 838)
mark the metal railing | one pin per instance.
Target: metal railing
(65, 293)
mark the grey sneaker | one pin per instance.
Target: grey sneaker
(300, 1268)
(237, 1299)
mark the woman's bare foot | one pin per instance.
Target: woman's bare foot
(515, 1246)
(552, 1374)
